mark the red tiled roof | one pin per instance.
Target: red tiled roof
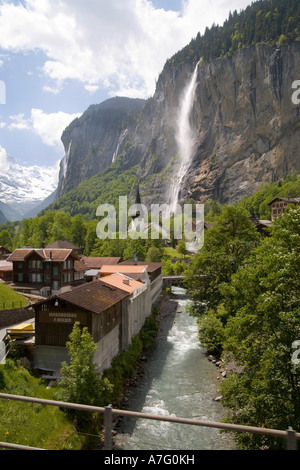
(122, 282)
(96, 262)
(124, 269)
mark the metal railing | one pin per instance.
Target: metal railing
(290, 435)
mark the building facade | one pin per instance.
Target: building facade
(44, 272)
(113, 309)
(279, 205)
(4, 253)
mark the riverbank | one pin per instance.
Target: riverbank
(177, 380)
(167, 307)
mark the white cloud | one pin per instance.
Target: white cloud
(49, 127)
(120, 45)
(19, 122)
(91, 88)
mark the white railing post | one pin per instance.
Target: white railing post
(107, 428)
(291, 439)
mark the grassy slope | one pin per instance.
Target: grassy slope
(11, 299)
(30, 424)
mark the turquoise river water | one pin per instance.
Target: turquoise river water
(178, 380)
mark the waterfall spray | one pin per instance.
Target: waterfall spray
(184, 137)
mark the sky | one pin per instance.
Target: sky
(57, 57)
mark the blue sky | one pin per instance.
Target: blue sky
(57, 57)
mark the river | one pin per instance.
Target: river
(178, 380)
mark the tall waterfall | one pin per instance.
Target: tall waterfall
(184, 138)
(66, 159)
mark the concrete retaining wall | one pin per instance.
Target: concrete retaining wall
(14, 316)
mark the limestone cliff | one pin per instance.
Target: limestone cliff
(246, 129)
(93, 141)
(246, 126)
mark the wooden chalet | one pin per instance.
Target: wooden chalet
(279, 205)
(43, 271)
(4, 253)
(154, 271)
(111, 310)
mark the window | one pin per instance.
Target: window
(68, 277)
(20, 277)
(56, 285)
(55, 271)
(37, 277)
(20, 265)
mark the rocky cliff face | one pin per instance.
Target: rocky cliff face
(93, 141)
(246, 130)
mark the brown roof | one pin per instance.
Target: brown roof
(295, 200)
(79, 266)
(97, 262)
(45, 254)
(63, 244)
(6, 266)
(3, 248)
(151, 266)
(94, 296)
(122, 282)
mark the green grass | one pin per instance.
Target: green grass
(172, 253)
(32, 424)
(11, 299)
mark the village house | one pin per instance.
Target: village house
(154, 271)
(137, 272)
(94, 264)
(262, 226)
(279, 205)
(6, 271)
(44, 272)
(4, 253)
(113, 309)
(136, 308)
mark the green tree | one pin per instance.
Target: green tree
(80, 382)
(181, 247)
(154, 254)
(227, 244)
(264, 306)
(6, 240)
(78, 231)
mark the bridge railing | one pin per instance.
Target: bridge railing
(290, 435)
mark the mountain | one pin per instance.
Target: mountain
(221, 121)
(23, 188)
(93, 141)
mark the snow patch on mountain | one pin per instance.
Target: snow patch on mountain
(22, 184)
